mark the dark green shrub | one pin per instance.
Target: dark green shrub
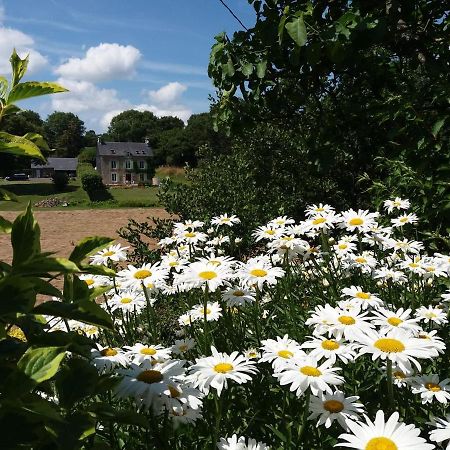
(60, 180)
(92, 183)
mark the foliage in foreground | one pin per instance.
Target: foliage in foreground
(332, 316)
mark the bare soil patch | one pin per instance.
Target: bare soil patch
(61, 230)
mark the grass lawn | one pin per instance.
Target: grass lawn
(124, 197)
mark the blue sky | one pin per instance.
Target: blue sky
(115, 55)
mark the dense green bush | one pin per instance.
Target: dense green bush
(92, 183)
(60, 180)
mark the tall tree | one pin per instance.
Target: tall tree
(65, 133)
(132, 126)
(90, 139)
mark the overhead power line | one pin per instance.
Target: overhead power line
(233, 14)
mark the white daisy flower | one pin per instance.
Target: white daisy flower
(432, 314)
(313, 210)
(238, 296)
(203, 274)
(133, 277)
(182, 346)
(240, 443)
(114, 253)
(396, 345)
(259, 270)
(348, 324)
(212, 312)
(388, 274)
(430, 388)
(344, 248)
(215, 371)
(94, 281)
(361, 220)
(389, 320)
(442, 431)
(306, 372)
(365, 299)
(433, 340)
(140, 352)
(128, 300)
(397, 203)
(331, 349)
(148, 381)
(278, 352)
(381, 435)
(184, 415)
(105, 359)
(252, 353)
(365, 261)
(335, 406)
(404, 219)
(281, 221)
(225, 219)
(401, 378)
(268, 232)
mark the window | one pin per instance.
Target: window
(141, 164)
(127, 164)
(142, 177)
(113, 164)
(114, 177)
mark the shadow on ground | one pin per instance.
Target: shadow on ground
(36, 188)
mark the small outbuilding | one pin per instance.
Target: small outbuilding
(66, 165)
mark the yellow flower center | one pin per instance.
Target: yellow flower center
(183, 348)
(347, 320)
(142, 274)
(252, 354)
(360, 260)
(319, 220)
(404, 220)
(430, 269)
(258, 272)
(413, 265)
(147, 351)
(238, 293)
(108, 352)
(173, 264)
(207, 274)
(433, 387)
(150, 376)
(174, 392)
(223, 367)
(381, 443)
(333, 406)
(399, 375)
(388, 345)
(342, 246)
(310, 371)
(286, 354)
(189, 235)
(91, 330)
(109, 253)
(430, 315)
(356, 221)
(320, 209)
(330, 345)
(394, 321)
(271, 232)
(214, 262)
(363, 295)
(89, 281)
(126, 300)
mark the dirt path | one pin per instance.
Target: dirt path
(61, 230)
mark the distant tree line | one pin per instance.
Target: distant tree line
(173, 142)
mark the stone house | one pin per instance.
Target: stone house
(67, 165)
(123, 162)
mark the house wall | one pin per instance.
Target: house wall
(123, 175)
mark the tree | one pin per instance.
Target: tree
(65, 133)
(169, 123)
(132, 126)
(90, 139)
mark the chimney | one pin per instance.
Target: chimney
(147, 141)
(100, 141)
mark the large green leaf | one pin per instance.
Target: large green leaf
(297, 30)
(42, 363)
(30, 89)
(8, 196)
(19, 146)
(3, 87)
(84, 311)
(37, 139)
(16, 295)
(19, 67)
(25, 237)
(88, 246)
(5, 225)
(43, 264)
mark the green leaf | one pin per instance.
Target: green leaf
(5, 225)
(45, 288)
(16, 295)
(8, 196)
(30, 89)
(297, 30)
(41, 364)
(97, 269)
(19, 146)
(247, 69)
(108, 413)
(261, 69)
(25, 237)
(3, 87)
(42, 265)
(37, 139)
(437, 126)
(19, 67)
(281, 26)
(87, 246)
(84, 311)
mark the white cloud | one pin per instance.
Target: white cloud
(101, 63)
(11, 38)
(168, 94)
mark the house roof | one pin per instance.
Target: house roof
(123, 149)
(57, 164)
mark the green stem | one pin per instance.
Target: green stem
(218, 402)
(305, 416)
(389, 380)
(150, 316)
